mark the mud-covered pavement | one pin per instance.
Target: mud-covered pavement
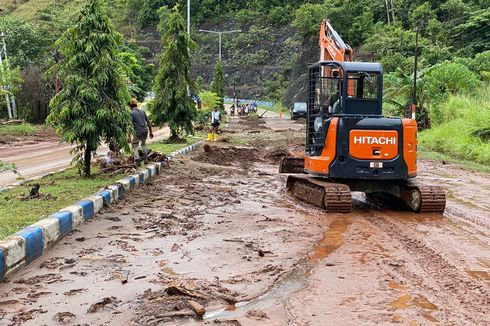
(216, 234)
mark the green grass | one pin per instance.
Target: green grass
(464, 133)
(167, 148)
(65, 188)
(18, 130)
(276, 108)
(423, 154)
(69, 10)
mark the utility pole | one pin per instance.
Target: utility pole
(387, 11)
(189, 17)
(219, 34)
(9, 99)
(414, 93)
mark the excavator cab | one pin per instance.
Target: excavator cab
(338, 90)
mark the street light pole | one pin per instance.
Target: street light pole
(189, 17)
(219, 34)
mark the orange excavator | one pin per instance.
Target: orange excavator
(350, 145)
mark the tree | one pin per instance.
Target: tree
(25, 43)
(445, 79)
(172, 103)
(137, 72)
(218, 83)
(10, 83)
(149, 14)
(91, 105)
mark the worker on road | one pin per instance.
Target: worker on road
(141, 125)
(215, 120)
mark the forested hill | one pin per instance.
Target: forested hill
(278, 37)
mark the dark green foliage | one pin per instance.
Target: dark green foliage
(25, 42)
(148, 12)
(91, 107)
(137, 71)
(172, 103)
(218, 83)
(472, 35)
(276, 87)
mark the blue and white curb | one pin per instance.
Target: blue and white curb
(185, 150)
(25, 246)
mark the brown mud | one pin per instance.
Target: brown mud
(41, 135)
(216, 239)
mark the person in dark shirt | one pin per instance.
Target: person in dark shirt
(141, 125)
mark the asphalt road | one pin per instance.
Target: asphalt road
(37, 159)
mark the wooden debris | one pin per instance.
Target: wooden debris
(198, 308)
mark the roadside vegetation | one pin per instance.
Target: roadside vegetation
(463, 130)
(18, 129)
(56, 191)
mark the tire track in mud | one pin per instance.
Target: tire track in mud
(458, 295)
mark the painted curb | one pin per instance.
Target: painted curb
(30, 243)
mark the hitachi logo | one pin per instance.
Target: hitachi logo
(375, 140)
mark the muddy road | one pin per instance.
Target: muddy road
(216, 235)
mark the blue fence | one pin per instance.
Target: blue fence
(241, 100)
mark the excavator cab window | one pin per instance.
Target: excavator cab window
(364, 85)
(364, 90)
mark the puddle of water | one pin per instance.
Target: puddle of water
(290, 282)
(406, 301)
(332, 240)
(283, 289)
(479, 275)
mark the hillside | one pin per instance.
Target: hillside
(268, 59)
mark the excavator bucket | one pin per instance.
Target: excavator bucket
(292, 165)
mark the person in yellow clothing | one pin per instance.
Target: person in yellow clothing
(215, 120)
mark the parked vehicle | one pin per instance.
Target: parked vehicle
(299, 110)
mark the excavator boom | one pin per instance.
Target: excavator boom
(332, 47)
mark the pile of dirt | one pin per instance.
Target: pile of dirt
(275, 155)
(228, 156)
(39, 136)
(252, 122)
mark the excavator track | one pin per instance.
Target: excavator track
(331, 196)
(423, 198)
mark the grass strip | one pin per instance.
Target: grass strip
(60, 190)
(18, 129)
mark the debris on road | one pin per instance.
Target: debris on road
(107, 301)
(197, 307)
(64, 317)
(226, 240)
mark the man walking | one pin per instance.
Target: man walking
(141, 125)
(215, 120)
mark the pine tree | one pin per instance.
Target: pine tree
(218, 83)
(91, 107)
(172, 103)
